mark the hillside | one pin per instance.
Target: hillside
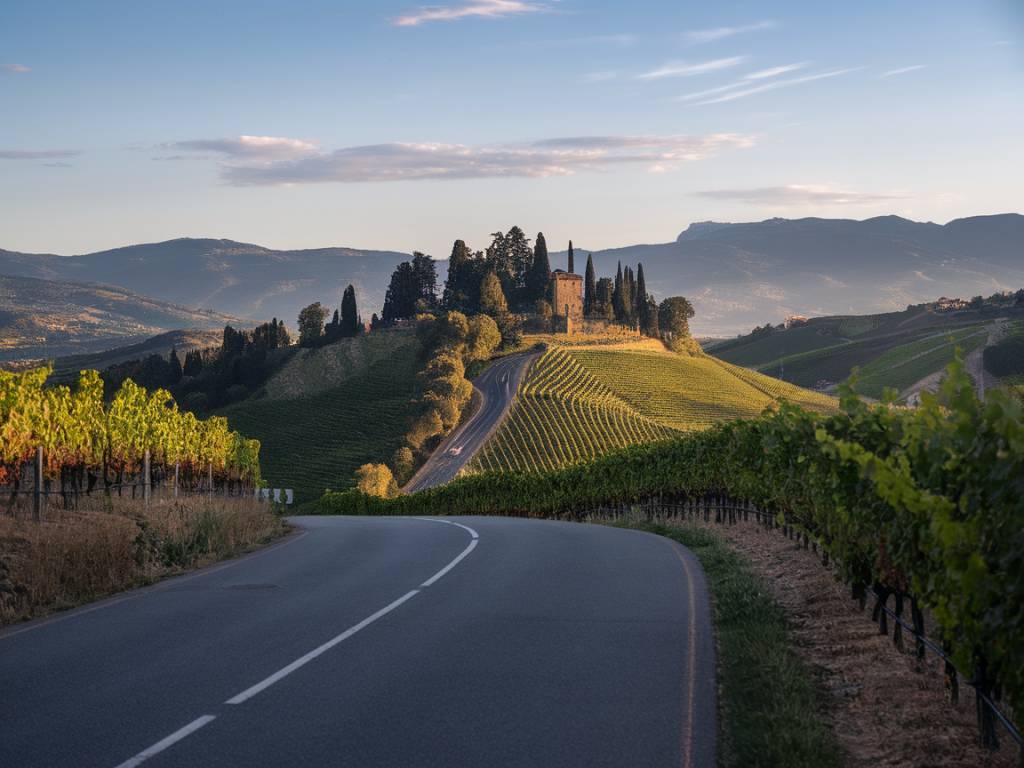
(330, 410)
(741, 275)
(579, 402)
(44, 319)
(896, 349)
(65, 369)
(238, 279)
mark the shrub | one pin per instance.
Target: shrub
(376, 480)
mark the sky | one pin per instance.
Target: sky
(394, 125)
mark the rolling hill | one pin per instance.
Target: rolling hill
(741, 275)
(578, 402)
(238, 279)
(330, 410)
(895, 349)
(44, 319)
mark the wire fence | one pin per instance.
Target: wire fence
(724, 510)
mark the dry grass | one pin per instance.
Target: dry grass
(72, 557)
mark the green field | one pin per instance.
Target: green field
(316, 441)
(905, 365)
(578, 403)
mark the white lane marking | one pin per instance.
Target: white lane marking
(248, 693)
(452, 564)
(163, 744)
(302, 661)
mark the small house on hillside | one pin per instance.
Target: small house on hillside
(566, 297)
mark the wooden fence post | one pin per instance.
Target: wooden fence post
(37, 494)
(210, 477)
(176, 468)
(146, 478)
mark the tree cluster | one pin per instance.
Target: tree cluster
(412, 290)
(346, 322)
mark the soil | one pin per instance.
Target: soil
(885, 708)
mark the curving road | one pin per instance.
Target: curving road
(497, 387)
(382, 642)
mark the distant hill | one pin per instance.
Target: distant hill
(45, 319)
(742, 275)
(894, 349)
(66, 369)
(238, 279)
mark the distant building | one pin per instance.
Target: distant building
(794, 320)
(950, 305)
(566, 299)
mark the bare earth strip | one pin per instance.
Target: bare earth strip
(883, 711)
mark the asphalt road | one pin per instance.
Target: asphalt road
(382, 642)
(497, 387)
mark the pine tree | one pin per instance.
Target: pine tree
(457, 288)
(572, 266)
(350, 324)
(538, 280)
(589, 287)
(174, 372)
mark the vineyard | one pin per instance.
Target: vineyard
(924, 507)
(576, 404)
(87, 444)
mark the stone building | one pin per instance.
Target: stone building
(566, 298)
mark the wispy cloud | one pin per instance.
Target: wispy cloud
(682, 69)
(718, 33)
(902, 70)
(479, 8)
(418, 161)
(734, 93)
(18, 69)
(255, 147)
(799, 195)
(59, 165)
(764, 74)
(37, 154)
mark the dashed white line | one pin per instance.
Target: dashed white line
(302, 661)
(163, 744)
(282, 673)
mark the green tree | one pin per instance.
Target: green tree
(459, 288)
(483, 338)
(643, 304)
(538, 280)
(571, 260)
(604, 301)
(492, 297)
(674, 315)
(510, 257)
(589, 287)
(403, 464)
(350, 324)
(618, 307)
(311, 324)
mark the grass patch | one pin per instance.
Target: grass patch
(770, 711)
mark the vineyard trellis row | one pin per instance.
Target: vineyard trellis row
(924, 502)
(88, 444)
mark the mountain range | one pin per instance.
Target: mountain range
(737, 275)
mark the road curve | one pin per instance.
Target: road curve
(497, 387)
(382, 642)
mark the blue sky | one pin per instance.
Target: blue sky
(389, 124)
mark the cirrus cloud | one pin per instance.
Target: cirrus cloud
(17, 69)
(798, 195)
(402, 161)
(263, 147)
(37, 154)
(479, 8)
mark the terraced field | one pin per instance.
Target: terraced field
(579, 402)
(317, 441)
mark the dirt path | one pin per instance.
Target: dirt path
(973, 362)
(883, 709)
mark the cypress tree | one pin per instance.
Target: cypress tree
(456, 288)
(589, 287)
(540, 272)
(617, 304)
(643, 308)
(175, 371)
(492, 298)
(572, 268)
(349, 314)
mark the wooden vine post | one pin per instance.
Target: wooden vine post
(146, 478)
(37, 494)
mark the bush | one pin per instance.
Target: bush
(1006, 357)
(376, 480)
